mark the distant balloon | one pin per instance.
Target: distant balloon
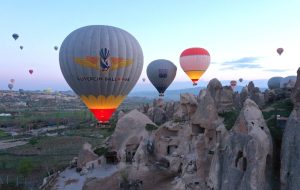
(233, 84)
(10, 86)
(161, 74)
(12, 81)
(274, 82)
(288, 82)
(15, 36)
(21, 47)
(144, 79)
(55, 48)
(30, 71)
(101, 64)
(194, 62)
(241, 79)
(47, 90)
(280, 50)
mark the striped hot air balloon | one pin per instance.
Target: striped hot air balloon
(101, 64)
(194, 62)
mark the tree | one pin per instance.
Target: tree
(25, 167)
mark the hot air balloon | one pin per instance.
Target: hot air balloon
(55, 48)
(21, 47)
(233, 84)
(280, 50)
(274, 82)
(161, 74)
(12, 81)
(10, 86)
(15, 36)
(194, 62)
(240, 79)
(144, 79)
(30, 71)
(101, 64)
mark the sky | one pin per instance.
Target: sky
(241, 36)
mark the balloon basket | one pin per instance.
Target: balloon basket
(103, 125)
(194, 84)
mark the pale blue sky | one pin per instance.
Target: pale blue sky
(241, 36)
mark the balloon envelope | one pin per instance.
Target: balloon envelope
(194, 62)
(55, 48)
(241, 79)
(233, 84)
(15, 36)
(161, 74)
(101, 64)
(21, 47)
(12, 81)
(144, 79)
(280, 50)
(288, 82)
(30, 71)
(10, 86)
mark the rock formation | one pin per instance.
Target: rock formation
(244, 162)
(130, 131)
(86, 155)
(187, 107)
(290, 149)
(223, 96)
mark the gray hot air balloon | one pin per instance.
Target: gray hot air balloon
(55, 48)
(10, 86)
(21, 47)
(161, 73)
(15, 36)
(288, 82)
(274, 82)
(101, 64)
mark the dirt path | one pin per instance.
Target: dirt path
(69, 179)
(4, 144)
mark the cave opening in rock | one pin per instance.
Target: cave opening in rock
(130, 152)
(197, 129)
(111, 157)
(171, 149)
(238, 157)
(244, 163)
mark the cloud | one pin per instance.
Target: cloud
(243, 60)
(276, 70)
(242, 63)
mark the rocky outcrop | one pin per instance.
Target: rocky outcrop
(256, 95)
(161, 111)
(290, 149)
(157, 115)
(86, 155)
(223, 96)
(244, 162)
(130, 131)
(187, 107)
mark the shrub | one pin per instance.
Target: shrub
(150, 127)
(101, 151)
(33, 141)
(25, 167)
(229, 118)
